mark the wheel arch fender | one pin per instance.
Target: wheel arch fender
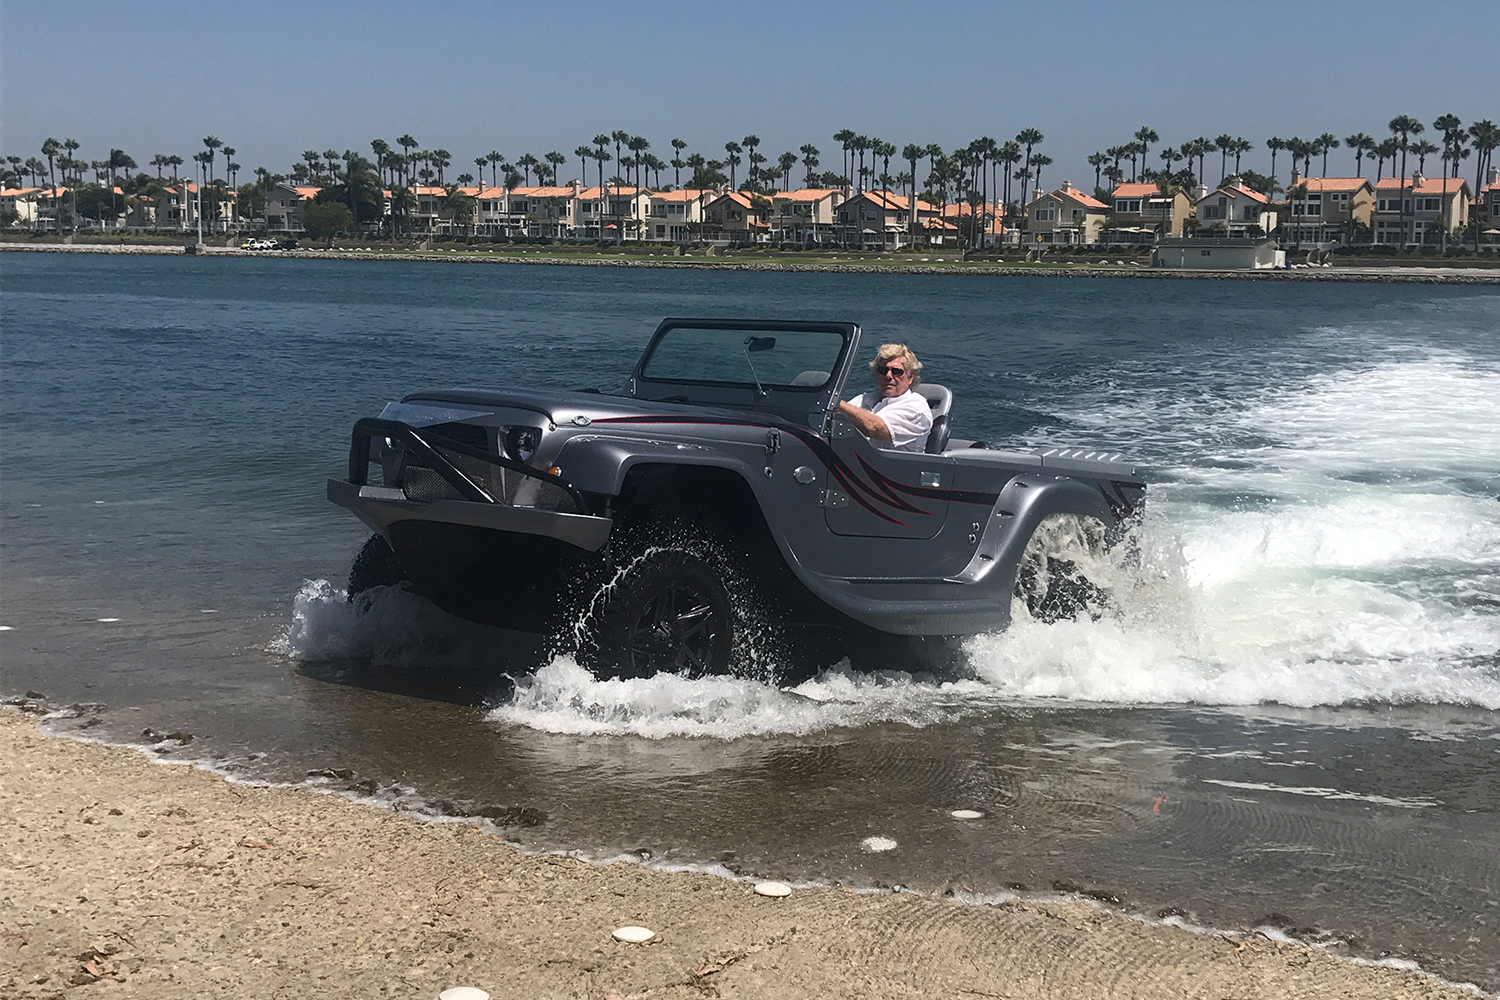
(1029, 499)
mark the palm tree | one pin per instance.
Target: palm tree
(213, 143)
(845, 138)
(1403, 127)
(785, 162)
(861, 145)
(1325, 142)
(50, 149)
(1275, 144)
(1452, 128)
(1097, 161)
(1029, 137)
(1039, 161)
(1421, 149)
(1486, 136)
(732, 150)
(638, 146)
(1361, 144)
(1145, 136)
(1224, 143)
(809, 161)
(1241, 147)
(526, 163)
(554, 160)
(1386, 150)
(1169, 156)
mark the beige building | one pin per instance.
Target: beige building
(1234, 210)
(804, 216)
(1141, 214)
(1422, 207)
(675, 216)
(738, 218)
(1065, 216)
(1487, 206)
(23, 205)
(878, 220)
(1325, 209)
(283, 207)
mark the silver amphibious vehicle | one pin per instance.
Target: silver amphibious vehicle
(666, 525)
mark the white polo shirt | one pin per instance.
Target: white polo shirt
(908, 416)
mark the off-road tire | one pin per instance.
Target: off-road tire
(375, 566)
(667, 609)
(1054, 587)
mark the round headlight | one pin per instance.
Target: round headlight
(521, 442)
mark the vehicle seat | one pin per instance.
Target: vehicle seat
(810, 378)
(939, 401)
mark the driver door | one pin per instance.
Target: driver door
(873, 492)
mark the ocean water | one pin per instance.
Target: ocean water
(1290, 717)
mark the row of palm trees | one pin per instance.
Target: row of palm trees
(978, 174)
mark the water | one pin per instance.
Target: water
(1291, 718)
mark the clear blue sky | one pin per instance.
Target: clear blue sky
(272, 79)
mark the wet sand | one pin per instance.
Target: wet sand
(126, 878)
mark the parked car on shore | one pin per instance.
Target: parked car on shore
(717, 499)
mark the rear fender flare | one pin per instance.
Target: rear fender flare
(1026, 501)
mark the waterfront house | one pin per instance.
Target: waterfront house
(878, 220)
(804, 216)
(1326, 209)
(18, 206)
(738, 218)
(550, 211)
(674, 216)
(958, 219)
(1219, 253)
(1233, 210)
(1141, 213)
(284, 204)
(1423, 207)
(1065, 216)
(612, 212)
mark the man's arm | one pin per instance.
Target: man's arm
(869, 424)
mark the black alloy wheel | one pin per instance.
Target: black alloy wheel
(375, 566)
(668, 610)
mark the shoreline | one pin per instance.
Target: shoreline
(1380, 274)
(170, 881)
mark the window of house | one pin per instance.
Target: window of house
(1128, 205)
(1045, 215)
(1432, 204)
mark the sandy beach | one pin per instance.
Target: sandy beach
(127, 878)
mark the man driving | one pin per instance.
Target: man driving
(892, 416)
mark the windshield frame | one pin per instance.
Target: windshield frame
(848, 332)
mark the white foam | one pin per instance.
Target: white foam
(563, 697)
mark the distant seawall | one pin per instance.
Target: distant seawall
(1393, 274)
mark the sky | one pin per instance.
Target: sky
(272, 79)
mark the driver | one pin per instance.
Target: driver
(893, 416)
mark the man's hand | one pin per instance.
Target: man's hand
(869, 424)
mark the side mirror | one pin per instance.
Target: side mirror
(759, 345)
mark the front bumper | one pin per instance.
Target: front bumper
(382, 506)
(469, 503)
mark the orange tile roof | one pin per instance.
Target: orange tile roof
(1332, 183)
(1429, 185)
(549, 192)
(1136, 191)
(805, 194)
(681, 194)
(306, 193)
(18, 192)
(1083, 199)
(742, 200)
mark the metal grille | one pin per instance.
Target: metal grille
(426, 485)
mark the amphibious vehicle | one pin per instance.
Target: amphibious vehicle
(714, 506)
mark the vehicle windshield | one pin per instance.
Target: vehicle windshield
(802, 359)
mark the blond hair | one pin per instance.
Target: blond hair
(889, 351)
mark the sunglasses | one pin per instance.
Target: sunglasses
(892, 370)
